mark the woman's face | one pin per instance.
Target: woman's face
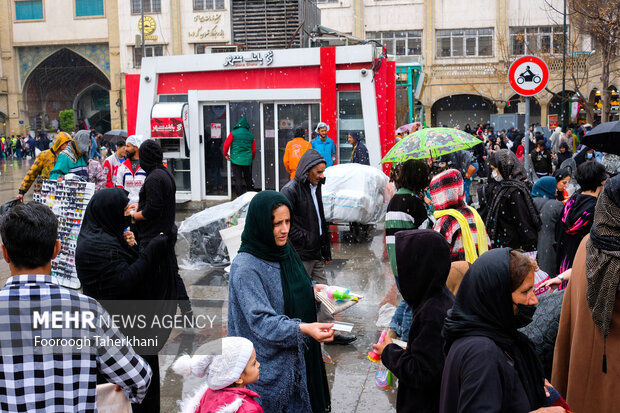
(524, 294)
(563, 183)
(281, 225)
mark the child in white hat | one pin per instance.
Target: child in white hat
(226, 375)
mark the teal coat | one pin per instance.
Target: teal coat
(241, 146)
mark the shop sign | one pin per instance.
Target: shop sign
(208, 29)
(249, 59)
(167, 127)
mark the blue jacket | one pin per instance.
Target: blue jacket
(327, 149)
(256, 312)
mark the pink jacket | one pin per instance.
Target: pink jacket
(229, 400)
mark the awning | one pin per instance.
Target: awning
(169, 120)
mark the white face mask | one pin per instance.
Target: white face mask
(496, 175)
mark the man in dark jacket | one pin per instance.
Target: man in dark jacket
(309, 232)
(541, 159)
(242, 151)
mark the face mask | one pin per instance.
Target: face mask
(496, 175)
(322, 181)
(524, 315)
(589, 156)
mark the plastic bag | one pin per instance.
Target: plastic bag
(354, 193)
(200, 242)
(386, 312)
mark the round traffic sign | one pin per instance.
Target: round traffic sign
(528, 75)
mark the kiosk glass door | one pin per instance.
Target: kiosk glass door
(215, 133)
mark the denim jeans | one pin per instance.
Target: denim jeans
(401, 320)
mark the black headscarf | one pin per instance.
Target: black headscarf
(151, 156)
(421, 275)
(258, 239)
(484, 307)
(514, 179)
(101, 238)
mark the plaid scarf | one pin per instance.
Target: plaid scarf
(603, 257)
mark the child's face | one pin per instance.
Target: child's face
(251, 372)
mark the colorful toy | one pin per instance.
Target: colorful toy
(372, 355)
(384, 378)
(339, 294)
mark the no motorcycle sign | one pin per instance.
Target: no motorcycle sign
(528, 75)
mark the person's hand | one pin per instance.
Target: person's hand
(130, 238)
(380, 347)
(117, 388)
(321, 332)
(552, 283)
(20, 198)
(227, 157)
(319, 287)
(133, 207)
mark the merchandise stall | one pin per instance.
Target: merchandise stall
(200, 98)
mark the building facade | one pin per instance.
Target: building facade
(466, 49)
(74, 54)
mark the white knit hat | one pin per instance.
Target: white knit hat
(135, 140)
(220, 370)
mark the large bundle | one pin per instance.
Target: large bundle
(200, 241)
(354, 193)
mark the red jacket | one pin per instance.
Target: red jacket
(229, 399)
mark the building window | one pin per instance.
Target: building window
(399, 43)
(29, 10)
(464, 43)
(88, 8)
(202, 48)
(209, 5)
(149, 6)
(149, 51)
(533, 40)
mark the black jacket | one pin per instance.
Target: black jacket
(480, 377)
(305, 233)
(542, 162)
(157, 203)
(422, 282)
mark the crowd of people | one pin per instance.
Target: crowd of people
(471, 276)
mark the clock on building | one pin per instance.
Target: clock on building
(149, 25)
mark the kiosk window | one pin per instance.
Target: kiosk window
(351, 120)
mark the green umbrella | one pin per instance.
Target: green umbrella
(430, 142)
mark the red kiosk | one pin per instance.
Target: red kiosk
(192, 102)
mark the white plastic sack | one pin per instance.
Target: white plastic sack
(386, 312)
(354, 193)
(199, 241)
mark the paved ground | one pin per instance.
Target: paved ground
(360, 267)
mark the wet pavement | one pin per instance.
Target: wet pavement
(360, 267)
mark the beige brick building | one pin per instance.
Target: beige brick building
(466, 48)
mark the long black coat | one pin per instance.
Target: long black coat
(422, 278)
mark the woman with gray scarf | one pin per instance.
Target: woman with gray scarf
(74, 158)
